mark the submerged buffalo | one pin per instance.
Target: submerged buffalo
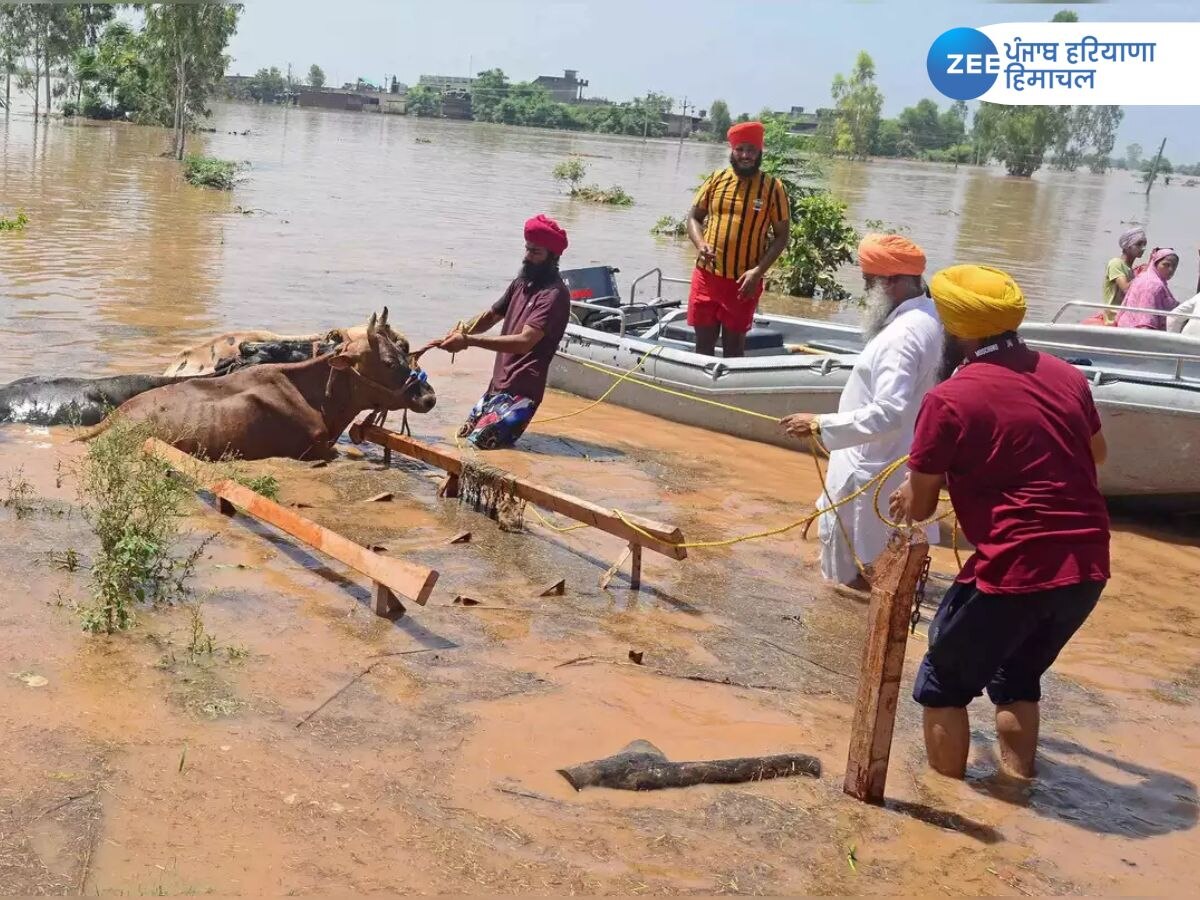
(42, 400)
(296, 410)
(240, 348)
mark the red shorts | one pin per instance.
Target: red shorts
(714, 300)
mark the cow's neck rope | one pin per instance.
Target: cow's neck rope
(390, 394)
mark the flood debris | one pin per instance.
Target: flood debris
(463, 538)
(643, 767)
(492, 492)
(558, 589)
(385, 497)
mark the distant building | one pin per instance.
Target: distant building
(456, 105)
(324, 99)
(446, 82)
(565, 88)
(801, 122)
(682, 126)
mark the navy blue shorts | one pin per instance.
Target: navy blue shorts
(1002, 642)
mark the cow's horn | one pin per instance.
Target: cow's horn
(371, 326)
(383, 319)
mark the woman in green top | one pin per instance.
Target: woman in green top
(1119, 272)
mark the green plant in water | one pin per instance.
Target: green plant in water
(201, 643)
(613, 196)
(821, 241)
(133, 503)
(669, 226)
(68, 560)
(16, 223)
(207, 171)
(570, 171)
(19, 493)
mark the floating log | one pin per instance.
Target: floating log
(658, 537)
(897, 574)
(396, 576)
(643, 767)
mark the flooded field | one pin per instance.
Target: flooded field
(318, 748)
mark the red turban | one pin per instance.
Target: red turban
(746, 133)
(544, 232)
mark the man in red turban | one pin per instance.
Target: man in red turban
(535, 310)
(739, 222)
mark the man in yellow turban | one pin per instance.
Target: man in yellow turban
(874, 422)
(1014, 436)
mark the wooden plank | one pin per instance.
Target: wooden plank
(403, 578)
(897, 573)
(662, 538)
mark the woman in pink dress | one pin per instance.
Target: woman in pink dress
(1149, 291)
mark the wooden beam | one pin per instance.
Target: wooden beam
(898, 571)
(395, 575)
(662, 538)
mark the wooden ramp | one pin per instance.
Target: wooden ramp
(637, 531)
(392, 578)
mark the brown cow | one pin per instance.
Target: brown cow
(296, 410)
(218, 353)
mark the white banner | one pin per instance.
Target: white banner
(1051, 63)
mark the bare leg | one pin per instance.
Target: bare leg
(1017, 733)
(706, 339)
(947, 740)
(733, 343)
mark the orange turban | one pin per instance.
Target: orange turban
(890, 254)
(746, 133)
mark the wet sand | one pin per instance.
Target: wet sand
(133, 769)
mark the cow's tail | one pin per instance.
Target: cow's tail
(94, 432)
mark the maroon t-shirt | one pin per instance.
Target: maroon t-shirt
(548, 309)
(1012, 433)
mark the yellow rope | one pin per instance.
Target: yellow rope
(877, 481)
(606, 394)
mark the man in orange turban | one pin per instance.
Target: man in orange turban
(740, 221)
(874, 422)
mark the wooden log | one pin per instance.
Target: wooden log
(661, 538)
(643, 767)
(402, 578)
(897, 573)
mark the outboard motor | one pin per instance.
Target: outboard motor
(596, 285)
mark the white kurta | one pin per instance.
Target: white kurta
(1178, 324)
(873, 427)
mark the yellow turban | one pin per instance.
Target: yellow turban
(890, 254)
(977, 301)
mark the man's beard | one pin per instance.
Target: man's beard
(952, 357)
(539, 274)
(748, 170)
(875, 316)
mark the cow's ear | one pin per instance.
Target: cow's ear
(341, 361)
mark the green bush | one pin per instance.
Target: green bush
(570, 171)
(669, 226)
(821, 241)
(207, 171)
(613, 196)
(16, 223)
(134, 503)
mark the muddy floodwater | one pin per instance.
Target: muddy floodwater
(321, 749)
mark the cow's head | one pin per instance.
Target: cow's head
(387, 380)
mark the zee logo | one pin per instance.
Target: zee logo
(972, 64)
(963, 63)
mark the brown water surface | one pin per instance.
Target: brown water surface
(343, 212)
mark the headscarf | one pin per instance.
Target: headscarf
(1131, 237)
(890, 254)
(977, 301)
(1149, 291)
(746, 133)
(544, 232)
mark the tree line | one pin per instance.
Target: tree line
(161, 71)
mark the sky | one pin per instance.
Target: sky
(751, 53)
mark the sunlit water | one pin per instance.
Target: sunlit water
(342, 213)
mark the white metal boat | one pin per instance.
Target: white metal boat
(1146, 383)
